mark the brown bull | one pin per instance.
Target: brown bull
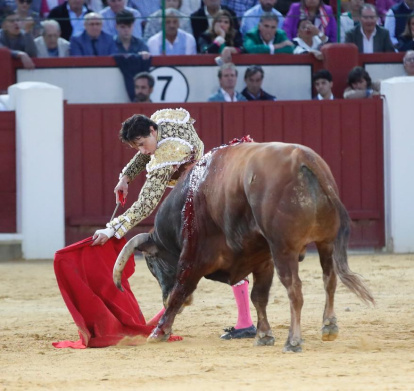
(243, 209)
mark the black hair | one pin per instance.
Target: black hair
(357, 74)
(322, 74)
(125, 17)
(136, 126)
(252, 70)
(145, 75)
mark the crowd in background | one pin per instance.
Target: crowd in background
(58, 28)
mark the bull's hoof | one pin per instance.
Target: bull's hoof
(330, 329)
(158, 335)
(292, 347)
(264, 339)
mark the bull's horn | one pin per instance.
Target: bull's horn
(124, 256)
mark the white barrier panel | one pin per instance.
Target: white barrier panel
(398, 152)
(39, 166)
(172, 84)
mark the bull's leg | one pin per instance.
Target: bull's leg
(329, 328)
(262, 281)
(287, 266)
(183, 288)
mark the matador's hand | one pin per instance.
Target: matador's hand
(101, 236)
(121, 186)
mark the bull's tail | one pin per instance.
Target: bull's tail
(350, 279)
(326, 180)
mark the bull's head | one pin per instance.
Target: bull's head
(161, 263)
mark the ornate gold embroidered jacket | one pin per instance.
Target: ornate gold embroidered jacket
(178, 143)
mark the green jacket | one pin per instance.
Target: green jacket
(253, 42)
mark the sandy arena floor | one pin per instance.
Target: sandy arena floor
(374, 350)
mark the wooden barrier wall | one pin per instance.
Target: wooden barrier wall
(7, 172)
(348, 135)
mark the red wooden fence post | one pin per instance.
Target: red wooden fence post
(339, 59)
(7, 77)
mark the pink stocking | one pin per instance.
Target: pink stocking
(241, 294)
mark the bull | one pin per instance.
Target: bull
(250, 208)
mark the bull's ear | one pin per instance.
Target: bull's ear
(148, 247)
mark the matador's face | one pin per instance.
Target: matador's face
(146, 145)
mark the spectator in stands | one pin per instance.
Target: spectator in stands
(202, 19)
(252, 16)
(190, 6)
(70, 17)
(253, 77)
(408, 62)
(145, 8)
(267, 38)
(109, 15)
(177, 41)
(227, 75)
(322, 81)
(396, 19)
(222, 37)
(351, 18)
(369, 37)
(308, 40)
(94, 5)
(360, 85)
(239, 7)
(144, 85)
(93, 41)
(50, 44)
(406, 40)
(21, 45)
(29, 20)
(317, 12)
(124, 40)
(154, 23)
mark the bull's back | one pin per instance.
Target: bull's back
(270, 188)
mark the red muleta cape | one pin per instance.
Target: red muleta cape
(104, 315)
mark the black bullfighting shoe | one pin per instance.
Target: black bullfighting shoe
(232, 333)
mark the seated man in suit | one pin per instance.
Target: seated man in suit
(93, 41)
(253, 77)
(70, 17)
(227, 75)
(369, 37)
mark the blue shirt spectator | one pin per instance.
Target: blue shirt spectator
(239, 6)
(109, 14)
(124, 40)
(251, 18)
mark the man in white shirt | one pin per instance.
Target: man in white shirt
(369, 37)
(177, 41)
(228, 79)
